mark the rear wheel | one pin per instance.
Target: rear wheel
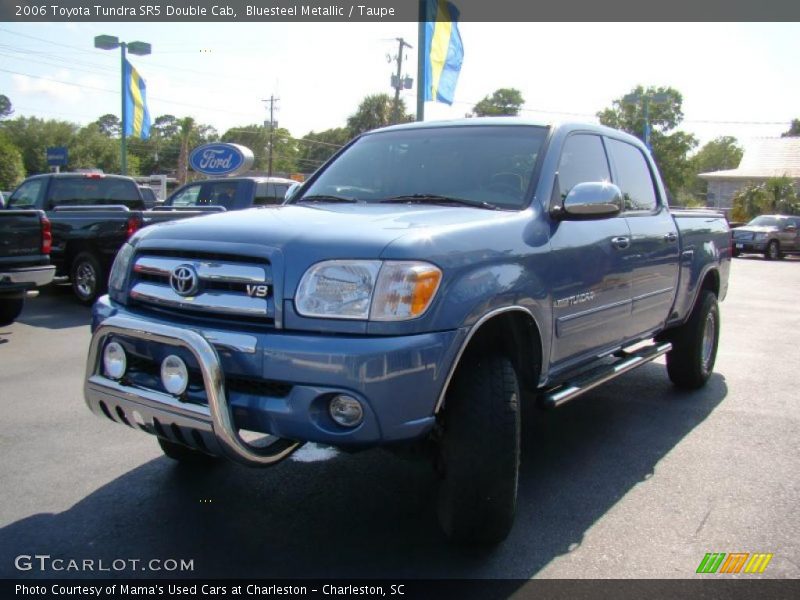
(694, 345)
(184, 454)
(773, 251)
(479, 451)
(10, 309)
(88, 279)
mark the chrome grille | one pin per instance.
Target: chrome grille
(222, 286)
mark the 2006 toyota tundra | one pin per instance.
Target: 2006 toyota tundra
(409, 291)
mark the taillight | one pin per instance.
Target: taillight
(47, 235)
(133, 225)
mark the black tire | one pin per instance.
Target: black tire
(10, 309)
(184, 454)
(87, 277)
(773, 251)
(736, 253)
(694, 347)
(479, 451)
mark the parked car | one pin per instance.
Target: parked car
(774, 236)
(25, 240)
(92, 215)
(231, 193)
(405, 295)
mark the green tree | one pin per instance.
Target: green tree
(670, 148)
(32, 136)
(257, 138)
(717, 155)
(109, 125)
(5, 107)
(794, 129)
(12, 171)
(376, 111)
(776, 195)
(315, 148)
(781, 196)
(190, 135)
(94, 149)
(504, 102)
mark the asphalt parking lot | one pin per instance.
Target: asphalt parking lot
(632, 480)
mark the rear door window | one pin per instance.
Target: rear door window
(633, 176)
(93, 191)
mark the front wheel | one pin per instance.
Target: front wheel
(88, 280)
(479, 451)
(773, 251)
(694, 345)
(10, 309)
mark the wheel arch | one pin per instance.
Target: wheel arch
(515, 331)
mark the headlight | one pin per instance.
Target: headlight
(760, 236)
(367, 289)
(119, 270)
(338, 288)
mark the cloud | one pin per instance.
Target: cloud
(33, 87)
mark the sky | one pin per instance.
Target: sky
(737, 79)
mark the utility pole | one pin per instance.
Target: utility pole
(397, 81)
(272, 101)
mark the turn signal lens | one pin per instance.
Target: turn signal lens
(404, 290)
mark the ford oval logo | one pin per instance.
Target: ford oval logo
(221, 159)
(184, 281)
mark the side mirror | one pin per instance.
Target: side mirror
(590, 200)
(290, 192)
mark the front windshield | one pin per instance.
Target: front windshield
(764, 222)
(481, 165)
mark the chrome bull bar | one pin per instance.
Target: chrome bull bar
(215, 419)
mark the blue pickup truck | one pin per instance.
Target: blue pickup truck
(411, 293)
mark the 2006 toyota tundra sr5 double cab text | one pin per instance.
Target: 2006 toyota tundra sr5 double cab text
(412, 291)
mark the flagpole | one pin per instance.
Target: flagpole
(123, 141)
(421, 51)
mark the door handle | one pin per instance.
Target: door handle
(621, 242)
(671, 237)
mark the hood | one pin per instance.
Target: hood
(757, 229)
(339, 230)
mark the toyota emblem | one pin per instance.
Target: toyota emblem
(183, 280)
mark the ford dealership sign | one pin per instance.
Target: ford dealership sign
(221, 159)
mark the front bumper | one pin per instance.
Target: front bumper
(291, 377)
(750, 245)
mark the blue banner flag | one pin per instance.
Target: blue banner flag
(137, 122)
(444, 51)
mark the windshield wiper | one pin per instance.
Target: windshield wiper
(437, 199)
(325, 198)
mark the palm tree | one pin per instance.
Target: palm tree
(186, 128)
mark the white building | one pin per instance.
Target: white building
(763, 159)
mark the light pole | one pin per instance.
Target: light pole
(110, 42)
(645, 98)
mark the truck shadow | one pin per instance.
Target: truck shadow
(372, 514)
(55, 308)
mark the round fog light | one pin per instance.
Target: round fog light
(346, 410)
(174, 375)
(114, 360)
